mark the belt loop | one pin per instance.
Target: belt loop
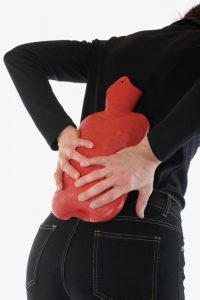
(167, 207)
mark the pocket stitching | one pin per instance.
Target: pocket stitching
(158, 222)
(64, 257)
(95, 273)
(178, 219)
(37, 258)
(98, 233)
(181, 266)
(155, 267)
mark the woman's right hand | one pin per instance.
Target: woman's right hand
(68, 141)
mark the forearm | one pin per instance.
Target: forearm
(31, 66)
(180, 125)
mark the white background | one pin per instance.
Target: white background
(27, 162)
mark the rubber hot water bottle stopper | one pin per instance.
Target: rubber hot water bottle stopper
(110, 130)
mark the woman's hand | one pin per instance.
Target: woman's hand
(68, 141)
(131, 168)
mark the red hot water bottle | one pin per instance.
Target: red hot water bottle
(110, 130)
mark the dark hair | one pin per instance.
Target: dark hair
(192, 12)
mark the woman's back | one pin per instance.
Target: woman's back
(164, 64)
(126, 257)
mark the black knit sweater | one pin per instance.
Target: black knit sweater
(164, 63)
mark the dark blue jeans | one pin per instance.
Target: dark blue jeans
(125, 258)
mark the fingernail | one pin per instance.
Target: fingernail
(59, 187)
(80, 198)
(76, 176)
(93, 205)
(76, 183)
(90, 145)
(142, 214)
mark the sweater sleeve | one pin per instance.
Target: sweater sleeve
(181, 124)
(31, 65)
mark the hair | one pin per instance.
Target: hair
(192, 12)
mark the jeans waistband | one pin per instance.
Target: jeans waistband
(160, 198)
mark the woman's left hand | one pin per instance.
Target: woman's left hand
(131, 168)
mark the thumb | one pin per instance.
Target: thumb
(142, 201)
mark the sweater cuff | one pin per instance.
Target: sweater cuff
(163, 145)
(56, 129)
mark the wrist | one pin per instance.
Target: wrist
(63, 132)
(146, 149)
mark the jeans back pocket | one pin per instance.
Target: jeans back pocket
(125, 266)
(40, 241)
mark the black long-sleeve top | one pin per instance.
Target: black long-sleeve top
(164, 63)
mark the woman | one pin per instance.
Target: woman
(139, 254)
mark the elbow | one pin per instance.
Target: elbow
(10, 56)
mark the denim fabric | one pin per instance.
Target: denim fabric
(125, 258)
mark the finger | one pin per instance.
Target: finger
(58, 177)
(84, 143)
(97, 174)
(108, 197)
(77, 156)
(95, 190)
(142, 201)
(67, 167)
(98, 160)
